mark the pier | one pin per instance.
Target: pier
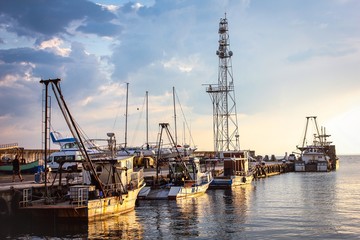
(271, 169)
(13, 194)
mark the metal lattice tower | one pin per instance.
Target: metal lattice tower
(222, 94)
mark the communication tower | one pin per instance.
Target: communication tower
(222, 94)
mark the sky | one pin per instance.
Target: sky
(291, 59)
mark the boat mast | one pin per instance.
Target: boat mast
(306, 127)
(318, 132)
(147, 120)
(175, 117)
(126, 113)
(73, 128)
(317, 135)
(46, 122)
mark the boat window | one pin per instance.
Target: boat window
(98, 169)
(64, 158)
(69, 145)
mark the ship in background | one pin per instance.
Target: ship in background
(320, 154)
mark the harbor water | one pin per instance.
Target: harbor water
(286, 206)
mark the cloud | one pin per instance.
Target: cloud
(101, 29)
(36, 19)
(321, 52)
(18, 55)
(54, 45)
(289, 59)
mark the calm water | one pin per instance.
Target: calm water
(292, 205)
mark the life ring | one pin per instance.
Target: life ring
(4, 209)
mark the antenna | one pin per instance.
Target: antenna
(222, 94)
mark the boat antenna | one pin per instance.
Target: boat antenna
(147, 120)
(176, 141)
(126, 112)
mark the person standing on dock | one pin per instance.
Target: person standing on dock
(16, 168)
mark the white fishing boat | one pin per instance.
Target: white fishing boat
(185, 178)
(69, 157)
(110, 184)
(320, 155)
(236, 171)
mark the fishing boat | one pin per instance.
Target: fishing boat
(320, 155)
(110, 184)
(185, 178)
(31, 167)
(236, 170)
(90, 201)
(7, 154)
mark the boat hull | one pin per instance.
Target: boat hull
(84, 211)
(231, 181)
(320, 166)
(186, 192)
(173, 192)
(25, 168)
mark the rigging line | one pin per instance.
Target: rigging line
(73, 129)
(138, 122)
(83, 135)
(187, 126)
(117, 114)
(62, 108)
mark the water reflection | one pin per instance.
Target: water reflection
(291, 205)
(124, 226)
(218, 214)
(227, 211)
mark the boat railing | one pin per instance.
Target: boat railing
(112, 187)
(240, 173)
(79, 194)
(82, 197)
(8, 146)
(137, 179)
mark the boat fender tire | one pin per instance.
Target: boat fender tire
(121, 200)
(244, 179)
(4, 209)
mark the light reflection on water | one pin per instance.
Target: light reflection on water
(292, 205)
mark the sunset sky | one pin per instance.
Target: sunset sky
(292, 59)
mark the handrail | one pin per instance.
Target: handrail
(8, 146)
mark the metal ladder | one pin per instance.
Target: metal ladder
(27, 197)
